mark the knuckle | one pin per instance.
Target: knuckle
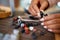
(53, 16)
(55, 21)
(52, 26)
(55, 26)
(56, 31)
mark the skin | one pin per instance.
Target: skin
(35, 8)
(52, 23)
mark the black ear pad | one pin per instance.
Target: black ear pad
(33, 18)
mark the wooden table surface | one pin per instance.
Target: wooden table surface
(6, 27)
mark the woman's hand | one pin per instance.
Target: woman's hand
(37, 5)
(52, 23)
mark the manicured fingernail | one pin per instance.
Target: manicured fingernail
(42, 23)
(38, 14)
(50, 30)
(45, 27)
(42, 19)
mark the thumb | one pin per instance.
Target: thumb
(44, 5)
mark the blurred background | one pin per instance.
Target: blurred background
(16, 3)
(6, 31)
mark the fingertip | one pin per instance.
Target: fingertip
(41, 8)
(42, 23)
(38, 14)
(42, 19)
(45, 27)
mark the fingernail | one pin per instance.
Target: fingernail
(45, 27)
(49, 30)
(38, 14)
(42, 23)
(42, 19)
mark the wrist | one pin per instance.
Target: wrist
(52, 2)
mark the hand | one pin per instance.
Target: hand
(52, 23)
(37, 5)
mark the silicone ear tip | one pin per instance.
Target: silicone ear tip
(19, 16)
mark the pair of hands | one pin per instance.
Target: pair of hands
(51, 22)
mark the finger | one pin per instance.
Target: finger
(50, 17)
(31, 8)
(50, 22)
(34, 1)
(32, 11)
(53, 16)
(35, 7)
(55, 31)
(53, 26)
(44, 5)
